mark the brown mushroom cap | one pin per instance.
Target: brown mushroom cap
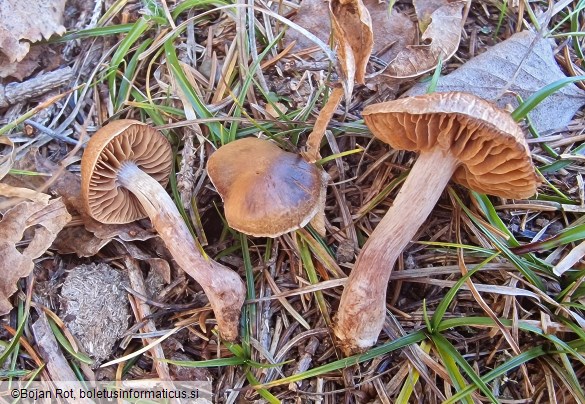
(490, 145)
(266, 191)
(123, 141)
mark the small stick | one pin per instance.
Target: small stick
(314, 139)
(143, 311)
(17, 92)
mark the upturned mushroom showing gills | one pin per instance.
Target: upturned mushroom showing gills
(266, 191)
(459, 136)
(124, 169)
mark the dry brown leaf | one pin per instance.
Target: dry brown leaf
(425, 9)
(440, 42)
(352, 30)
(23, 68)
(44, 220)
(516, 66)
(24, 22)
(313, 15)
(393, 31)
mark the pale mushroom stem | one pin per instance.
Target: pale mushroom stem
(363, 303)
(223, 287)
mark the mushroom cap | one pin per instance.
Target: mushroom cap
(119, 142)
(266, 191)
(489, 144)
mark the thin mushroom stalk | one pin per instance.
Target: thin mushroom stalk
(459, 136)
(362, 310)
(124, 169)
(223, 287)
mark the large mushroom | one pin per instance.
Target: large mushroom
(459, 136)
(124, 169)
(266, 191)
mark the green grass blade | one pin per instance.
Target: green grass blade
(64, 342)
(499, 371)
(456, 378)
(307, 260)
(201, 110)
(94, 32)
(519, 263)
(435, 79)
(413, 338)
(531, 102)
(450, 352)
(138, 28)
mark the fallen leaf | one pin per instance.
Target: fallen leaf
(439, 41)
(24, 22)
(514, 67)
(392, 31)
(23, 68)
(313, 15)
(352, 30)
(44, 220)
(425, 9)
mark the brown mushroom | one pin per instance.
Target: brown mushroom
(458, 136)
(266, 191)
(122, 170)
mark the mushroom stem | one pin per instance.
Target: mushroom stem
(223, 287)
(363, 303)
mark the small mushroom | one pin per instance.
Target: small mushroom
(124, 169)
(266, 191)
(458, 136)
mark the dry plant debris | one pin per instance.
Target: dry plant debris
(94, 307)
(352, 30)
(39, 223)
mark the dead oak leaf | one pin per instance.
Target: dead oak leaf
(352, 30)
(424, 10)
(440, 41)
(522, 64)
(44, 220)
(24, 22)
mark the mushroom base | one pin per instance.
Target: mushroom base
(362, 309)
(224, 288)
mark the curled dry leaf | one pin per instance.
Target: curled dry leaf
(439, 42)
(393, 31)
(10, 195)
(522, 64)
(352, 30)
(44, 221)
(425, 9)
(24, 22)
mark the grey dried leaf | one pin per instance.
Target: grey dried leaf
(516, 66)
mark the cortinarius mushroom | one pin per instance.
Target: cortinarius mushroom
(459, 136)
(122, 170)
(266, 191)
